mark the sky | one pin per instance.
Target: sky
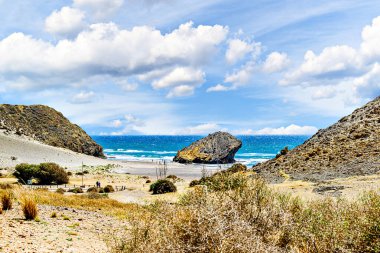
(175, 67)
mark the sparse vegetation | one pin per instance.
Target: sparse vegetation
(162, 186)
(253, 218)
(224, 180)
(53, 215)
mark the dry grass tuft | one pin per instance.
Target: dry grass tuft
(7, 200)
(29, 208)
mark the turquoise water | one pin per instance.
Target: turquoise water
(255, 149)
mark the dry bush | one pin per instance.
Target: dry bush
(83, 202)
(6, 186)
(60, 191)
(108, 189)
(29, 208)
(7, 200)
(76, 190)
(252, 218)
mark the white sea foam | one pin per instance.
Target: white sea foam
(139, 151)
(255, 154)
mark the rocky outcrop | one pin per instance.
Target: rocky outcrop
(216, 148)
(48, 126)
(349, 147)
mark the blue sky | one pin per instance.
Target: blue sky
(191, 67)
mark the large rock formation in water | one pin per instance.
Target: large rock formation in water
(216, 148)
(349, 147)
(48, 126)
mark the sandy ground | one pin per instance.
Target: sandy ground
(80, 232)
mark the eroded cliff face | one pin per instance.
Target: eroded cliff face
(48, 126)
(349, 147)
(219, 147)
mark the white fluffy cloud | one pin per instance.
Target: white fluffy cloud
(241, 76)
(83, 97)
(117, 123)
(99, 8)
(104, 49)
(238, 49)
(333, 62)
(181, 76)
(276, 62)
(324, 93)
(65, 22)
(203, 129)
(368, 85)
(183, 79)
(289, 130)
(218, 87)
(343, 69)
(369, 47)
(181, 91)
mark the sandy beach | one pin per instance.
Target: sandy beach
(16, 149)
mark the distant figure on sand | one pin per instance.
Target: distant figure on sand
(98, 184)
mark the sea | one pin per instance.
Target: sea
(255, 149)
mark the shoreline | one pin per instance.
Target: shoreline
(16, 149)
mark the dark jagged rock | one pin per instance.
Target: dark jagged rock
(348, 148)
(48, 126)
(216, 148)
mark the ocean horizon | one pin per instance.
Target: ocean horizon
(152, 148)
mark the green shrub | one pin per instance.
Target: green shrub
(24, 172)
(109, 189)
(194, 183)
(76, 190)
(224, 180)
(60, 191)
(93, 189)
(52, 173)
(45, 173)
(237, 167)
(162, 186)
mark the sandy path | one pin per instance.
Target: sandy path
(84, 231)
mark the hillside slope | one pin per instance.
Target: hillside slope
(349, 147)
(48, 126)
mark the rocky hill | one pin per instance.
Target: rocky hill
(219, 147)
(48, 126)
(349, 147)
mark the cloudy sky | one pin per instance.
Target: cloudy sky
(191, 67)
